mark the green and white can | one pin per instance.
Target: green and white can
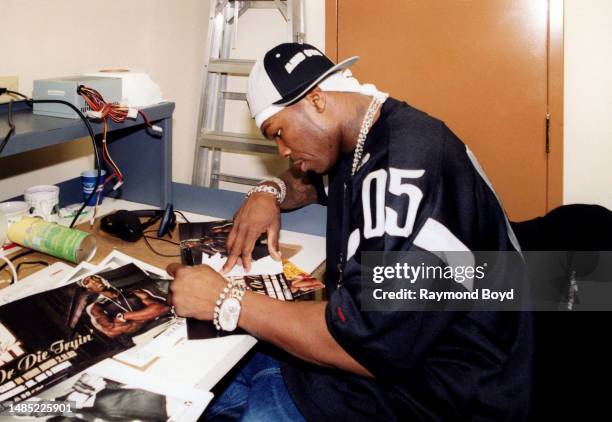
(62, 242)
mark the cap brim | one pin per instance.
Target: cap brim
(339, 66)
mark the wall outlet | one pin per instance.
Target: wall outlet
(10, 82)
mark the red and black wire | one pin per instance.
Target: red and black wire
(117, 113)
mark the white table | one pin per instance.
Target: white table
(203, 363)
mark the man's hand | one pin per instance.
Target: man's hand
(194, 290)
(259, 213)
(297, 327)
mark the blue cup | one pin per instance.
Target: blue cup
(88, 181)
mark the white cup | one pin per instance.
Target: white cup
(43, 201)
(10, 212)
(14, 210)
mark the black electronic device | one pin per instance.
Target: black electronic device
(127, 225)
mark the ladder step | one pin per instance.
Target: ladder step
(210, 143)
(257, 4)
(266, 4)
(237, 142)
(229, 95)
(231, 66)
(222, 177)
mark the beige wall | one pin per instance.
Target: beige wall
(588, 102)
(167, 39)
(47, 38)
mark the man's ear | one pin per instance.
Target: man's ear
(317, 98)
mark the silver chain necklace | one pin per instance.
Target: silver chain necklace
(363, 132)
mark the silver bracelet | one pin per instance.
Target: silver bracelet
(281, 185)
(266, 189)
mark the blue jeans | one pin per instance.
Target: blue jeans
(257, 393)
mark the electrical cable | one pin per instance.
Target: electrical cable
(118, 113)
(92, 135)
(19, 94)
(11, 266)
(183, 215)
(159, 238)
(19, 255)
(104, 110)
(23, 263)
(18, 267)
(146, 240)
(11, 127)
(95, 101)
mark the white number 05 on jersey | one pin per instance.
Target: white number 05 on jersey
(386, 218)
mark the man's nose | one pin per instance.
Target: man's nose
(283, 150)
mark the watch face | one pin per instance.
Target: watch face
(229, 314)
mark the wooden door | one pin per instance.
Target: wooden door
(481, 66)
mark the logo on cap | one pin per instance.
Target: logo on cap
(300, 57)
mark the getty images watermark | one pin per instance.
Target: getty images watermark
(466, 275)
(486, 280)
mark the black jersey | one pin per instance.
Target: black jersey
(418, 187)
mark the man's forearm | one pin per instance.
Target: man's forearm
(298, 328)
(300, 192)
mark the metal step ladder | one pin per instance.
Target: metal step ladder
(212, 139)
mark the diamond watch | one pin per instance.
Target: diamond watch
(227, 309)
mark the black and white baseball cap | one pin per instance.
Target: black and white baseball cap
(285, 74)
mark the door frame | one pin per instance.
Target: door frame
(554, 163)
